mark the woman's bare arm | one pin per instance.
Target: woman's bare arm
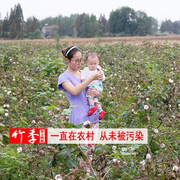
(75, 90)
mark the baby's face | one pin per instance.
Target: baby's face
(92, 63)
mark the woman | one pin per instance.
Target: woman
(75, 90)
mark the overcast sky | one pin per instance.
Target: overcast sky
(159, 9)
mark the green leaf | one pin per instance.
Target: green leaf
(65, 154)
(73, 163)
(80, 125)
(5, 139)
(135, 146)
(50, 107)
(1, 96)
(68, 163)
(1, 147)
(67, 112)
(61, 146)
(50, 163)
(44, 107)
(154, 147)
(1, 110)
(14, 98)
(45, 115)
(83, 147)
(70, 125)
(61, 159)
(2, 127)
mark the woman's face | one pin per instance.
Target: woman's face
(75, 62)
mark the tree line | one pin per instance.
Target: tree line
(124, 21)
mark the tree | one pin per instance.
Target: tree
(49, 20)
(154, 27)
(67, 23)
(16, 21)
(123, 20)
(1, 25)
(12, 24)
(59, 26)
(5, 28)
(103, 24)
(37, 34)
(144, 24)
(86, 30)
(32, 26)
(19, 19)
(94, 27)
(176, 27)
(89, 26)
(74, 31)
(114, 22)
(167, 26)
(79, 22)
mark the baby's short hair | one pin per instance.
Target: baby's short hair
(92, 55)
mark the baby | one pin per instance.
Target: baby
(92, 61)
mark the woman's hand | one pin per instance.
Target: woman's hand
(97, 75)
(93, 93)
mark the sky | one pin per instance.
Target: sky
(159, 9)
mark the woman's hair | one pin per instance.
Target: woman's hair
(70, 51)
(92, 55)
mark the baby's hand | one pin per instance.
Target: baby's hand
(98, 68)
(82, 80)
(98, 75)
(93, 92)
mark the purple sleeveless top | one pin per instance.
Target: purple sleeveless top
(79, 114)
